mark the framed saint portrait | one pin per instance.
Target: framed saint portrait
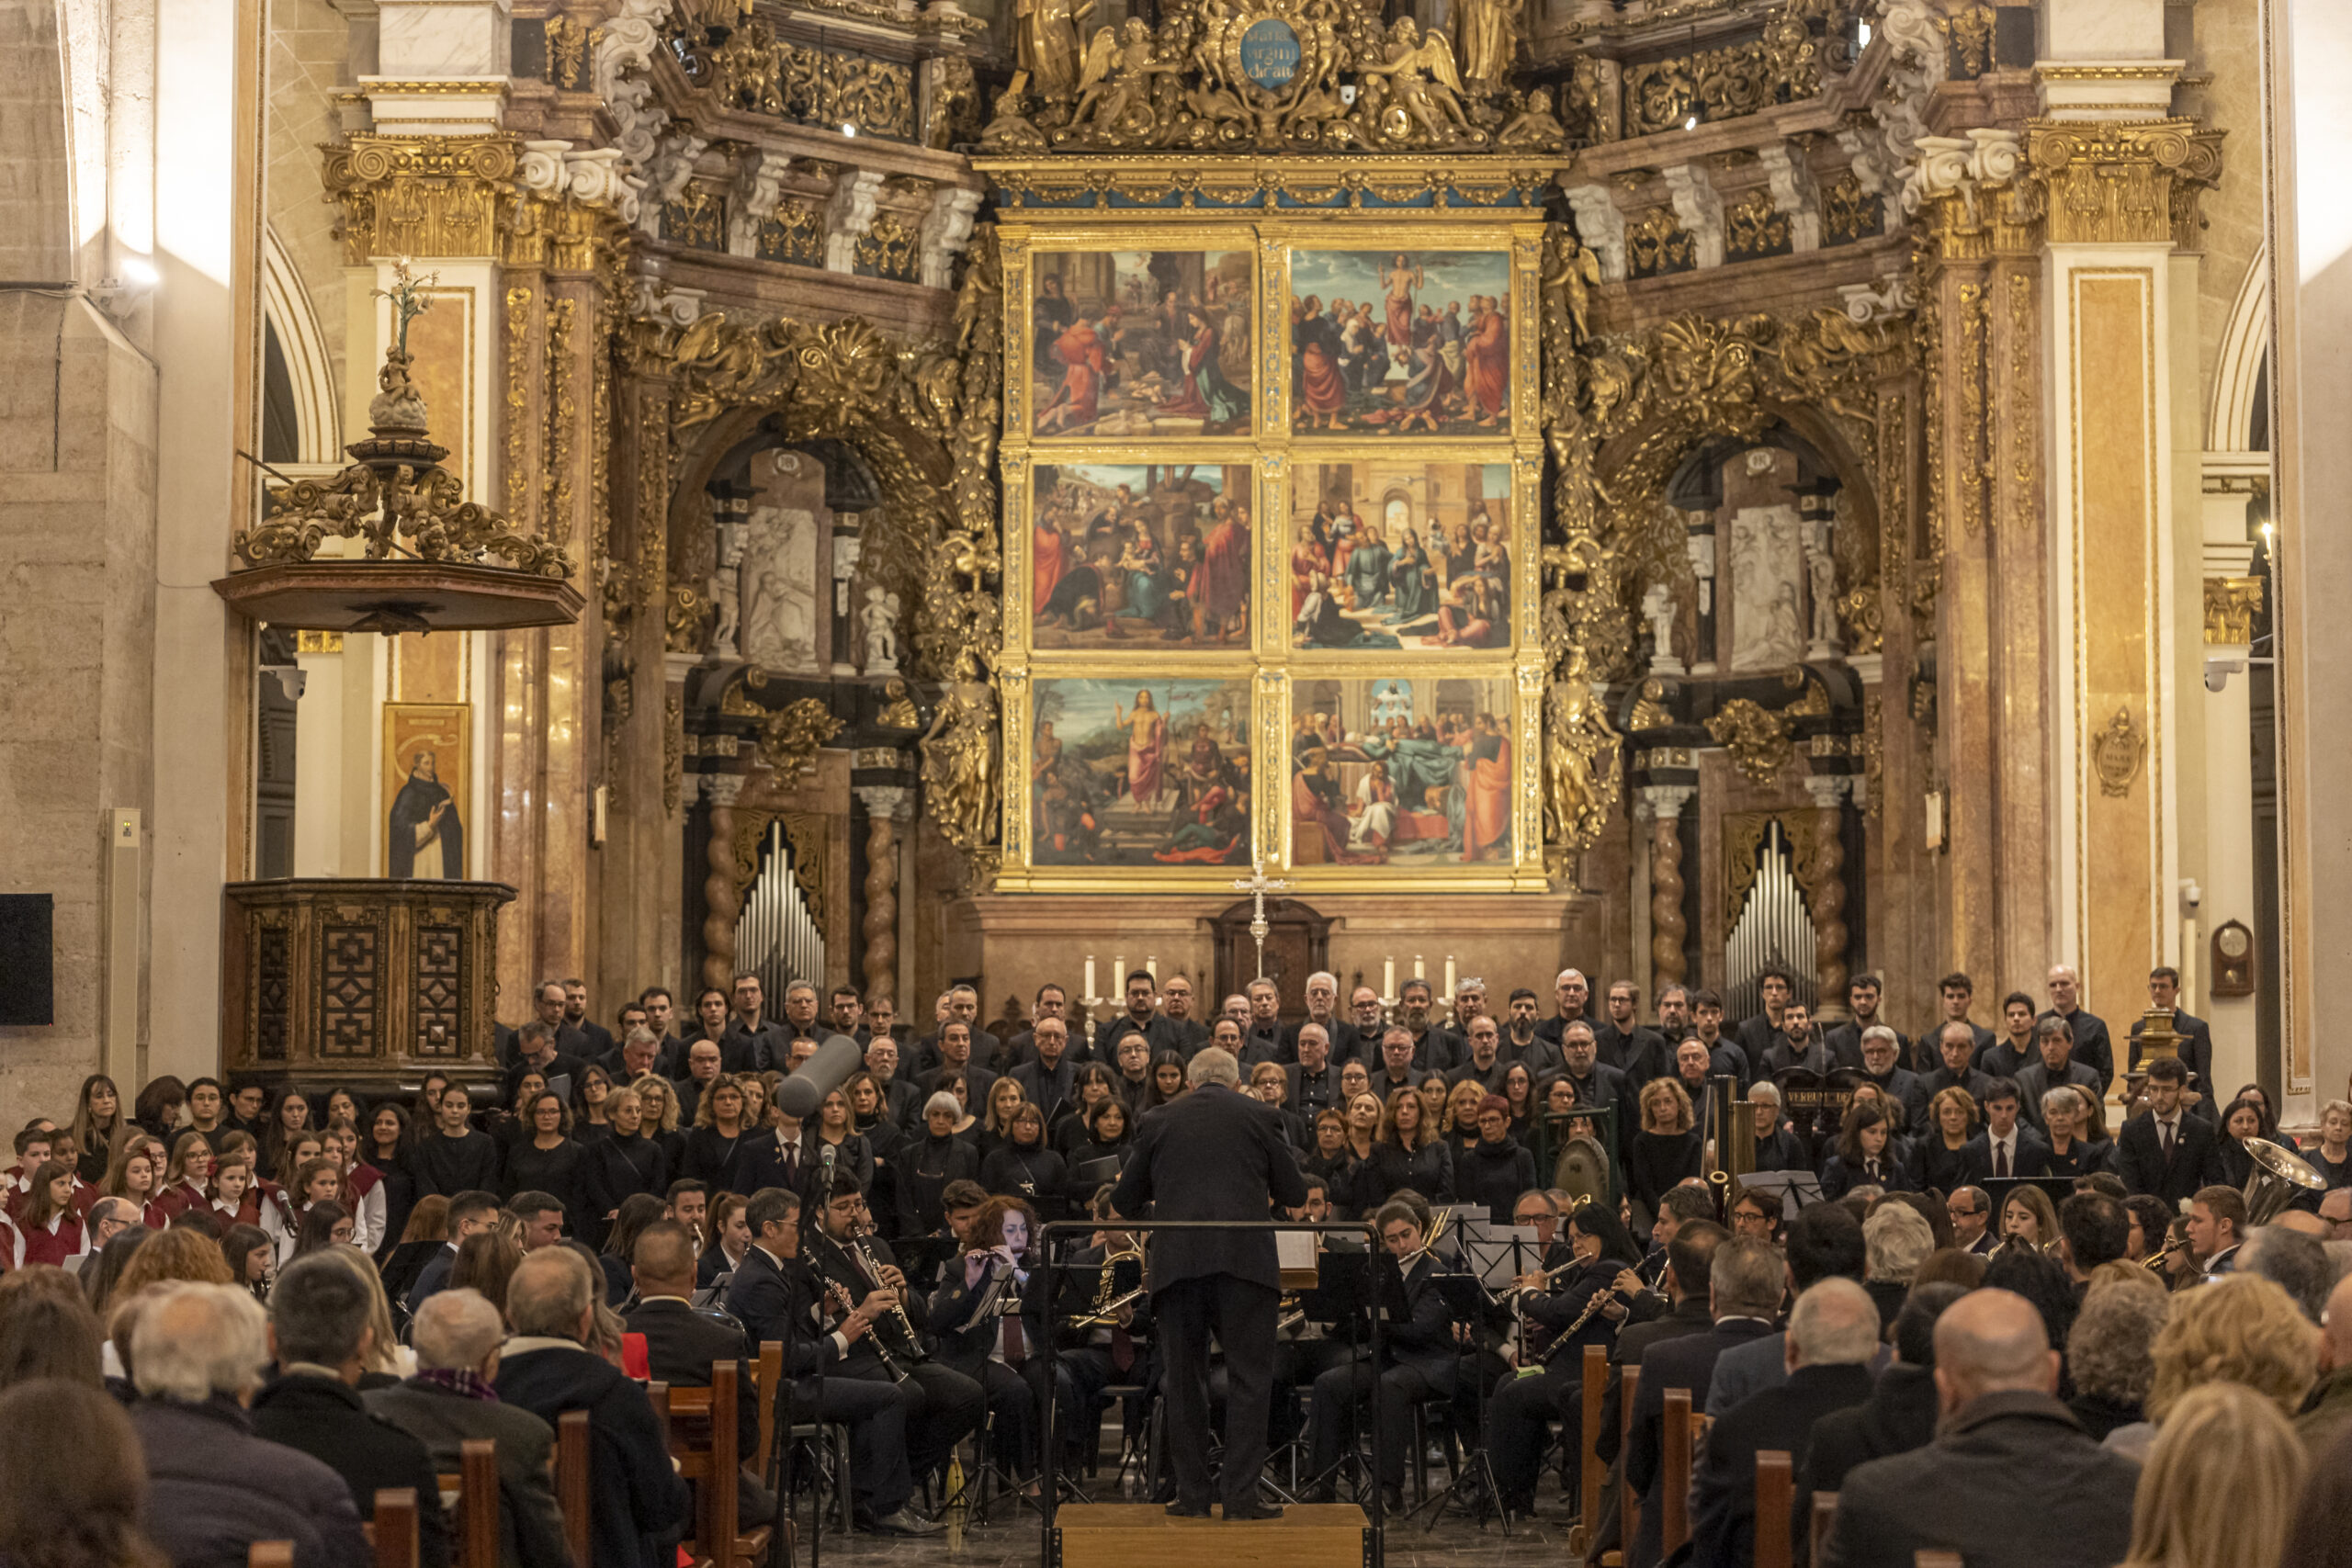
(1400, 343)
(1140, 343)
(1139, 772)
(1406, 769)
(1139, 557)
(428, 770)
(1411, 553)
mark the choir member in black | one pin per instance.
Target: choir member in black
(1724, 1058)
(1107, 1138)
(1597, 1084)
(620, 1165)
(1314, 1079)
(1563, 1312)
(1955, 1045)
(2071, 1152)
(2241, 1124)
(1395, 1069)
(1484, 1064)
(2259, 1099)
(548, 1161)
(1142, 1016)
(703, 1068)
(384, 1144)
(1412, 1153)
(591, 1117)
(996, 1122)
(1269, 1085)
(2007, 1056)
(1167, 1079)
(1131, 1069)
(715, 1143)
(990, 1322)
(1067, 1124)
(1666, 1150)
(841, 1251)
(927, 1164)
(1418, 1347)
(510, 1123)
(776, 1295)
(1862, 994)
(1627, 1044)
(1519, 1094)
(902, 1096)
(1326, 1159)
(1880, 1055)
(1215, 1156)
(2331, 1156)
(1024, 1167)
(1777, 1148)
(2196, 1047)
(851, 1154)
(870, 1115)
(754, 1042)
(1756, 1036)
(1435, 1049)
(1492, 1172)
(2055, 1062)
(453, 1157)
(1942, 1154)
(1865, 1156)
(657, 1097)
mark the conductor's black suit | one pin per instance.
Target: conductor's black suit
(1214, 1154)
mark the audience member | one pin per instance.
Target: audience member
(2111, 1352)
(1824, 1242)
(2240, 1329)
(1899, 1415)
(47, 1330)
(88, 1512)
(2220, 1487)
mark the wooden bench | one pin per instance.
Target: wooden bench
(1775, 1492)
(1629, 1502)
(1674, 1487)
(393, 1529)
(713, 1464)
(572, 1478)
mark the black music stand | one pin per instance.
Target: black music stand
(1467, 1301)
(1342, 1299)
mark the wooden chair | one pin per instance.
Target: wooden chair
(271, 1554)
(395, 1528)
(1935, 1559)
(475, 1518)
(571, 1467)
(1674, 1484)
(1775, 1492)
(1589, 1475)
(1824, 1514)
(767, 1373)
(714, 1466)
(1629, 1502)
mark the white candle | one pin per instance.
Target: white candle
(1151, 964)
(1089, 998)
(1388, 979)
(1449, 984)
(1118, 978)
(1418, 973)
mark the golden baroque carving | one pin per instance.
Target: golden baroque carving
(2231, 605)
(421, 196)
(2116, 751)
(1655, 243)
(1581, 759)
(1873, 753)
(758, 72)
(790, 739)
(1649, 707)
(674, 752)
(959, 765)
(1758, 740)
(1754, 227)
(897, 708)
(2124, 182)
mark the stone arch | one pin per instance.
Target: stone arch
(2238, 381)
(303, 354)
(39, 235)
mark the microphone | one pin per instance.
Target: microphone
(825, 1161)
(801, 1092)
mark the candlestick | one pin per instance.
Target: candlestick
(1151, 966)
(1418, 973)
(1118, 978)
(1388, 981)
(1090, 998)
(1449, 984)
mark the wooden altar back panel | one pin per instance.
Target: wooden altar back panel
(358, 980)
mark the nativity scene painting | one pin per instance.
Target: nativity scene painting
(1139, 773)
(1401, 553)
(1140, 555)
(1401, 771)
(1141, 343)
(1400, 344)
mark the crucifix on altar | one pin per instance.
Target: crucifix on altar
(1257, 884)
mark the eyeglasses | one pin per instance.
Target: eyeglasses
(1962, 1214)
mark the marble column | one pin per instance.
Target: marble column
(885, 806)
(1663, 804)
(722, 899)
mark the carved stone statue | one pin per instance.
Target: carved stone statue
(1658, 610)
(1485, 38)
(1821, 576)
(724, 591)
(777, 587)
(1579, 756)
(880, 619)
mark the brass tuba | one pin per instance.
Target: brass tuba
(2277, 1177)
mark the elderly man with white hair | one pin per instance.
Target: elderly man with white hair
(458, 1338)
(1833, 1333)
(214, 1488)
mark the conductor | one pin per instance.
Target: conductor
(1213, 1153)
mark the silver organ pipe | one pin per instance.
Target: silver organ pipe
(1773, 927)
(776, 937)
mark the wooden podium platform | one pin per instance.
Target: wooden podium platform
(1141, 1535)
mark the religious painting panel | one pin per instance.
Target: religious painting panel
(1404, 771)
(1139, 557)
(1400, 343)
(1141, 343)
(1139, 772)
(428, 770)
(1401, 552)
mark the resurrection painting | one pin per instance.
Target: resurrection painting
(1139, 555)
(1398, 770)
(1141, 343)
(1139, 773)
(1400, 343)
(1401, 553)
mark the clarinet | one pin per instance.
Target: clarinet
(873, 1332)
(874, 1271)
(1599, 1299)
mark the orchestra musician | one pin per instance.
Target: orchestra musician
(1418, 1354)
(1216, 1154)
(990, 1326)
(1564, 1309)
(1306, 1350)
(842, 1251)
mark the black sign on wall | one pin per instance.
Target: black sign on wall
(26, 988)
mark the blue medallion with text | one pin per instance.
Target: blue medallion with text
(1270, 53)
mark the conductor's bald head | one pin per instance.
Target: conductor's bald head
(1214, 1064)
(1991, 1342)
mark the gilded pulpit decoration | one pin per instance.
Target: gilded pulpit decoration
(2116, 750)
(1759, 741)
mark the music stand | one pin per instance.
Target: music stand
(1467, 1301)
(1341, 1299)
(1799, 1190)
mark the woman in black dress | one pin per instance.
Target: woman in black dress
(1518, 1093)
(1865, 1156)
(1492, 1172)
(1328, 1157)
(1025, 1168)
(926, 1165)
(1167, 1079)
(383, 1142)
(591, 1115)
(98, 1125)
(1665, 1151)
(852, 1156)
(2071, 1152)
(996, 1126)
(510, 1123)
(1776, 1147)
(717, 1134)
(2332, 1156)
(1066, 1123)
(1942, 1159)
(1412, 1152)
(657, 1097)
(548, 1160)
(622, 1164)
(1106, 1139)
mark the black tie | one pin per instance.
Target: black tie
(792, 1164)
(2001, 1159)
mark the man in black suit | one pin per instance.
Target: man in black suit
(1419, 1343)
(1956, 1044)
(2164, 1151)
(1794, 1042)
(1573, 994)
(2010, 1055)
(682, 1344)
(1627, 1044)
(1882, 1055)
(2060, 1064)
(1833, 1334)
(2006, 1147)
(597, 1038)
(963, 1005)
(1323, 1010)
(536, 1052)
(953, 1052)
(1314, 1079)
(800, 1020)
(774, 1296)
(902, 1096)
(1541, 1057)
(1214, 1154)
(1142, 1012)
(1434, 1049)
(1597, 1083)
(754, 1043)
(1046, 1078)
(1744, 1283)
(787, 1155)
(1954, 993)
(548, 1003)
(2196, 1047)
(1051, 1002)
(1758, 1033)
(2092, 1048)
(661, 1017)
(1862, 994)
(1395, 1068)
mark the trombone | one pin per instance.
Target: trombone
(1439, 1219)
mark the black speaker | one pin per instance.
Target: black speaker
(27, 991)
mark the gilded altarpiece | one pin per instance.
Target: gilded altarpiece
(1272, 543)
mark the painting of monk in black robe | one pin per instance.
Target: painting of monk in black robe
(426, 754)
(428, 839)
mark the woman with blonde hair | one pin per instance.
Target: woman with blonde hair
(1942, 1156)
(2240, 1329)
(2027, 1217)
(1665, 1151)
(2220, 1486)
(658, 1097)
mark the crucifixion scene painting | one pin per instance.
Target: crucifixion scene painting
(1141, 556)
(1400, 343)
(1140, 772)
(1401, 553)
(1398, 770)
(1141, 343)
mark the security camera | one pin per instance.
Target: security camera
(291, 679)
(2218, 667)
